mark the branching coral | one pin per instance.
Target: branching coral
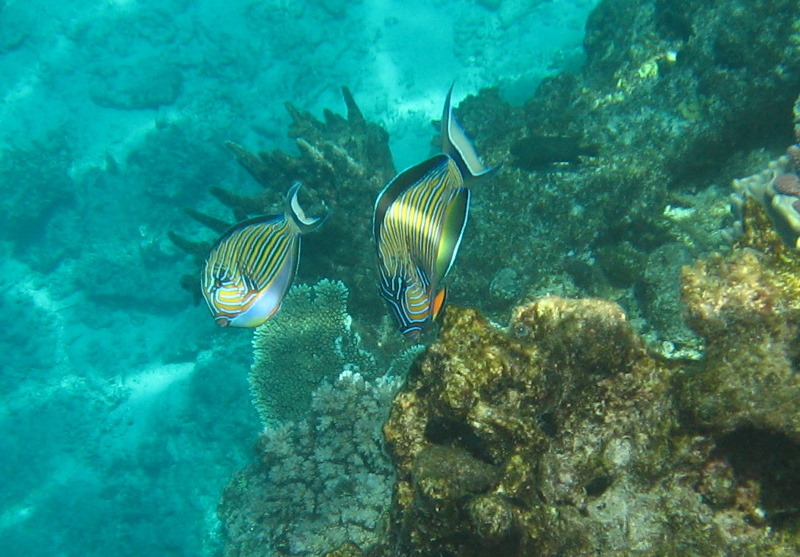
(310, 339)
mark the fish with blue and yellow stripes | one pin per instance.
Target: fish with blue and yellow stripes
(418, 223)
(252, 265)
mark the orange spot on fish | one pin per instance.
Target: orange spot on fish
(438, 303)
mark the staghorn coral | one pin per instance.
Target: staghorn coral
(321, 482)
(309, 339)
(562, 435)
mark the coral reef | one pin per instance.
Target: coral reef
(565, 433)
(748, 307)
(670, 94)
(777, 188)
(606, 165)
(322, 478)
(39, 188)
(562, 435)
(310, 338)
(321, 482)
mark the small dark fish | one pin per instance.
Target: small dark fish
(252, 265)
(418, 224)
(536, 152)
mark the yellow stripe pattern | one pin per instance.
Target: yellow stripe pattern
(245, 262)
(410, 241)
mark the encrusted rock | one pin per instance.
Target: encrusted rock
(562, 435)
(777, 188)
(747, 305)
(562, 407)
(492, 518)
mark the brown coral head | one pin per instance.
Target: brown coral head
(590, 334)
(788, 184)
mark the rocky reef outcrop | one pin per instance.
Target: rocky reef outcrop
(562, 435)
(613, 176)
(609, 166)
(568, 432)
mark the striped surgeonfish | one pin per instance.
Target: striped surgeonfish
(418, 223)
(252, 265)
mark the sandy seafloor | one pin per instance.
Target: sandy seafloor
(123, 409)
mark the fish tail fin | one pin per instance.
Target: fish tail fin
(296, 214)
(459, 146)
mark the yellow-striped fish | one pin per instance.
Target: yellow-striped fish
(418, 224)
(252, 265)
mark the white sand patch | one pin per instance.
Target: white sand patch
(154, 393)
(154, 381)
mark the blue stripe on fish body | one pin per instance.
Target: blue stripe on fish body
(396, 293)
(252, 265)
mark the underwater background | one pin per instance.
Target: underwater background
(625, 381)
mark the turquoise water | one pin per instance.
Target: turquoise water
(124, 409)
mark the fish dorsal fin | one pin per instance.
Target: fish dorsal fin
(400, 183)
(295, 212)
(453, 225)
(459, 146)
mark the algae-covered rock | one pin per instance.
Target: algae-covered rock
(540, 426)
(610, 164)
(562, 435)
(747, 306)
